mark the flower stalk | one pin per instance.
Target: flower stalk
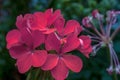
(38, 74)
(104, 37)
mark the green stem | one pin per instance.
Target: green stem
(38, 74)
(29, 75)
(115, 76)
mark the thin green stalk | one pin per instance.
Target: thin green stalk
(37, 74)
(29, 75)
(115, 76)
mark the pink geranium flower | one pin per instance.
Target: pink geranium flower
(42, 21)
(25, 51)
(64, 30)
(85, 46)
(71, 26)
(13, 38)
(60, 62)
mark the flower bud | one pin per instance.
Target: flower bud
(87, 21)
(97, 15)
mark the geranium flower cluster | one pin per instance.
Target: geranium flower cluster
(45, 40)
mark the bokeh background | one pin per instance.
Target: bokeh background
(94, 67)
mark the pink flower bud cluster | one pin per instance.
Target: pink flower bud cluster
(103, 35)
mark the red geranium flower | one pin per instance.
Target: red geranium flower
(25, 51)
(13, 38)
(71, 26)
(64, 30)
(61, 62)
(85, 46)
(42, 21)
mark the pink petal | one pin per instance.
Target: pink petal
(59, 24)
(86, 41)
(38, 38)
(55, 15)
(13, 37)
(25, 22)
(24, 63)
(48, 31)
(18, 51)
(48, 13)
(60, 72)
(27, 37)
(19, 22)
(41, 21)
(78, 30)
(73, 62)
(85, 46)
(30, 21)
(86, 51)
(72, 43)
(51, 62)
(71, 26)
(27, 16)
(52, 43)
(38, 58)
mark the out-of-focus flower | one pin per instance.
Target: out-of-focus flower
(104, 37)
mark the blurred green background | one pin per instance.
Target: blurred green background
(94, 67)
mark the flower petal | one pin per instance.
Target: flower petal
(19, 22)
(38, 38)
(51, 62)
(72, 43)
(27, 37)
(73, 62)
(24, 63)
(48, 31)
(30, 21)
(54, 16)
(18, 51)
(71, 26)
(39, 57)
(25, 22)
(13, 37)
(48, 13)
(52, 43)
(59, 24)
(86, 51)
(41, 21)
(86, 41)
(60, 72)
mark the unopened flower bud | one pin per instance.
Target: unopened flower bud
(96, 14)
(110, 69)
(117, 69)
(111, 15)
(87, 21)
